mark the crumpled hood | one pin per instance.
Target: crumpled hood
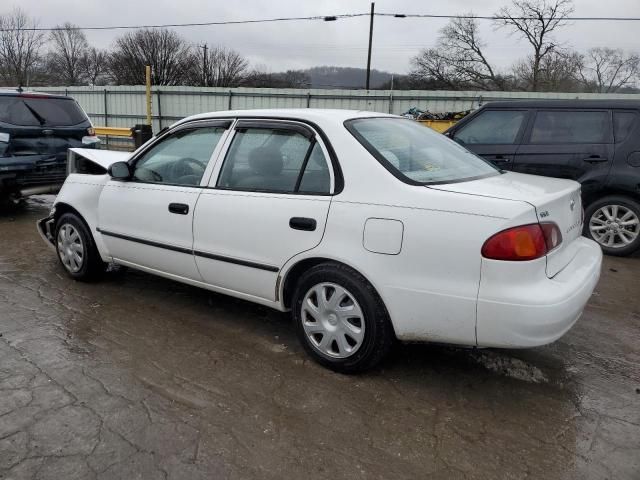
(104, 158)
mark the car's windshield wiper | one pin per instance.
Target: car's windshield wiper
(39, 117)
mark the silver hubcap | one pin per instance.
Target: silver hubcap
(614, 226)
(70, 248)
(332, 320)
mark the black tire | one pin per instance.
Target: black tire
(593, 208)
(378, 332)
(91, 266)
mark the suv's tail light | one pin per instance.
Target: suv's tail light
(526, 242)
(91, 131)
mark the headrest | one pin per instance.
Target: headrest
(266, 161)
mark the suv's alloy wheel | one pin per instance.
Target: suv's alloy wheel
(614, 222)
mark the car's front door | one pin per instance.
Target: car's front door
(147, 221)
(574, 144)
(494, 135)
(268, 201)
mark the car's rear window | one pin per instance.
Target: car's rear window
(415, 153)
(30, 111)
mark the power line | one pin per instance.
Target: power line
(199, 24)
(500, 17)
(326, 18)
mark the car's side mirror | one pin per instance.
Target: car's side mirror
(120, 171)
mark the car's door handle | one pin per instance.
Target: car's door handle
(501, 158)
(303, 223)
(595, 159)
(179, 208)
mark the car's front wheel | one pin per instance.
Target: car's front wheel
(614, 222)
(76, 249)
(340, 319)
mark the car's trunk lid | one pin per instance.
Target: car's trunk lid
(555, 200)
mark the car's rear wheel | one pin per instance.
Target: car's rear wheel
(76, 249)
(614, 222)
(340, 319)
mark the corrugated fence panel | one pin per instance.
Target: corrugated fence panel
(126, 105)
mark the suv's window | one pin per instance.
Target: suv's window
(571, 127)
(622, 124)
(32, 111)
(417, 154)
(271, 160)
(492, 127)
(180, 159)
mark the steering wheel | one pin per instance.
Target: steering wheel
(187, 166)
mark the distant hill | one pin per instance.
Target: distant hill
(345, 77)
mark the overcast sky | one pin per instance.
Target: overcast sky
(302, 44)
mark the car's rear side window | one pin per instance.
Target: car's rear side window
(417, 154)
(275, 160)
(32, 111)
(563, 126)
(492, 127)
(623, 122)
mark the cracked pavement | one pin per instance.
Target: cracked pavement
(141, 377)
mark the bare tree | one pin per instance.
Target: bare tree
(69, 48)
(19, 47)
(536, 20)
(218, 67)
(558, 71)
(94, 66)
(458, 61)
(607, 70)
(166, 51)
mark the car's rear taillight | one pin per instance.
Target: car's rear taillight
(526, 242)
(91, 131)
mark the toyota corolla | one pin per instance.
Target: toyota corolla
(368, 228)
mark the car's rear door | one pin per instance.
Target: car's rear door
(568, 143)
(148, 220)
(494, 134)
(268, 201)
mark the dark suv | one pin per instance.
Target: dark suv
(595, 142)
(35, 132)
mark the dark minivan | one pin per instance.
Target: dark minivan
(36, 130)
(595, 142)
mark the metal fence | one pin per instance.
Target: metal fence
(124, 106)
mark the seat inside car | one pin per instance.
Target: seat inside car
(266, 166)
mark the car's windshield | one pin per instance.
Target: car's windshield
(32, 111)
(417, 154)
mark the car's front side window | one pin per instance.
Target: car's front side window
(492, 127)
(274, 160)
(180, 159)
(417, 154)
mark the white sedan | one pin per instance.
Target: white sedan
(367, 227)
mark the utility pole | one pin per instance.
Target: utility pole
(205, 73)
(373, 6)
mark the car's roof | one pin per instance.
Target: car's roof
(576, 103)
(306, 114)
(6, 92)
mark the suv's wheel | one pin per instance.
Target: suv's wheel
(76, 249)
(340, 319)
(614, 222)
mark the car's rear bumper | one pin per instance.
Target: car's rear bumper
(519, 306)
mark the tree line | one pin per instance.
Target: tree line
(459, 60)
